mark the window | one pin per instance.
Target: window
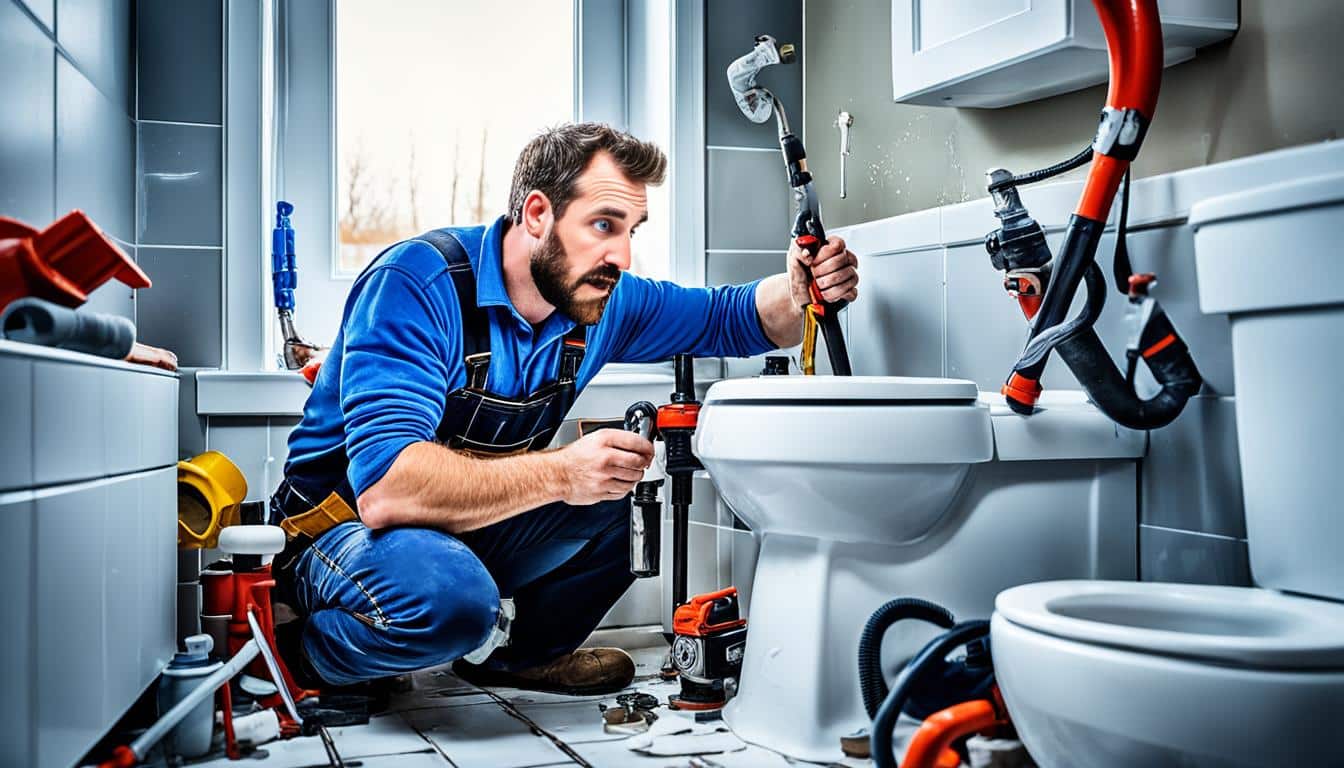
(434, 101)
(384, 120)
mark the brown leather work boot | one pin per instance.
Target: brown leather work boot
(584, 672)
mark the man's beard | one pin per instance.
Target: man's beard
(548, 272)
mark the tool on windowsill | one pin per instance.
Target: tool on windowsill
(758, 103)
(297, 354)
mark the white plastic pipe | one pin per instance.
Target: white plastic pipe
(149, 738)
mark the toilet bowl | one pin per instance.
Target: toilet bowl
(862, 489)
(1118, 674)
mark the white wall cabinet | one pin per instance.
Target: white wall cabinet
(994, 53)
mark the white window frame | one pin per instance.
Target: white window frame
(280, 139)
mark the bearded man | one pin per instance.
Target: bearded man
(426, 518)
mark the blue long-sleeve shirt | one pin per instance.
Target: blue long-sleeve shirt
(399, 350)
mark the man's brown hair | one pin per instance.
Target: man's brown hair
(553, 161)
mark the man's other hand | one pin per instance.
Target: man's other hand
(604, 465)
(835, 269)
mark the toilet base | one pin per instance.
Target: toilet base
(799, 691)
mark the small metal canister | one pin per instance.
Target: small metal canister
(646, 529)
(646, 516)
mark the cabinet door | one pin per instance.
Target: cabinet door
(16, 661)
(71, 534)
(16, 423)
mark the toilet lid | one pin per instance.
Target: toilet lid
(1238, 626)
(848, 390)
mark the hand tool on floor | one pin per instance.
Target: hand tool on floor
(297, 353)
(757, 104)
(1045, 287)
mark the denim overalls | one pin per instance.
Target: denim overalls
(384, 602)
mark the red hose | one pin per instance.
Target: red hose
(1134, 43)
(928, 746)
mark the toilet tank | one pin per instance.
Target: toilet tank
(1270, 259)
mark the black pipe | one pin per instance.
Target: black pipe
(1075, 256)
(1172, 367)
(871, 683)
(879, 741)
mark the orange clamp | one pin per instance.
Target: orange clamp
(1023, 390)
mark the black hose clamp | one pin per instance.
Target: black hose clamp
(1120, 133)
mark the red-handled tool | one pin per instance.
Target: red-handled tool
(758, 103)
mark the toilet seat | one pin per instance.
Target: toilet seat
(842, 390)
(1231, 626)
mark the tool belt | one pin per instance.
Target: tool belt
(304, 522)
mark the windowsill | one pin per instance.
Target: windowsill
(254, 393)
(283, 393)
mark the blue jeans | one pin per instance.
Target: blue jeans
(381, 603)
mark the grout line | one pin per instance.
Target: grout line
(181, 123)
(769, 251)
(1205, 534)
(725, 148)
(182, 247)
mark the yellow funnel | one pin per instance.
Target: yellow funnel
(210, 489)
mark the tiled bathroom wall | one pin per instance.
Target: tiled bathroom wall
(69, 141)
(180, 177)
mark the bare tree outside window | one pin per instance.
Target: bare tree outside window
(435, 98)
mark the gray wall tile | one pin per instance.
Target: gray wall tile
(898, 318)
(190, 425)
(1192, 558)
(182, 311)
(180, 60)
(1192, 475)
(730, 31)
(27, 89)
(181, 184)
(114, 297)
(244, 441)
(95, 154)
(749, 201)
(98, 34)
(44, 10)
(738, 268)
(279, 450)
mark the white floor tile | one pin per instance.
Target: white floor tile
(485, 736)
(573, 722)
(418, 760)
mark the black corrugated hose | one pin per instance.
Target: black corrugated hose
(873, 687)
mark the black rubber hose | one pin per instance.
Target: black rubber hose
(1031, 177)
(884, 725)
(871, 682)
(1173, 368)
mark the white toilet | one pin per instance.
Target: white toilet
(864, 489)
(1121, 674)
